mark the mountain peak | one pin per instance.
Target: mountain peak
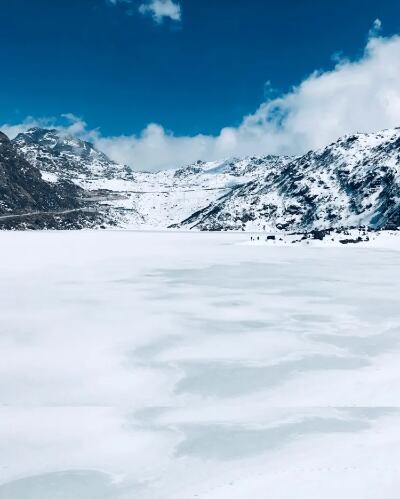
(57, 152)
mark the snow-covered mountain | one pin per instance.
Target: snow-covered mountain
(138, 199)
(28, 201)
(168, 197)
(354, 181)
(62, 156)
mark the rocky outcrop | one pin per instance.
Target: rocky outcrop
(28, 201)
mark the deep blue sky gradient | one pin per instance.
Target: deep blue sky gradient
(120, 71)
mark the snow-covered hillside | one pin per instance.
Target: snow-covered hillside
(66, 157)
(354, 181)
(159, 200)
(139, 199)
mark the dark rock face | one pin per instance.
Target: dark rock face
(23, 189)
(25, 196)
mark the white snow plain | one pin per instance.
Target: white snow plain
(142, 365)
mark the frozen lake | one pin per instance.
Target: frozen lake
(171, 366)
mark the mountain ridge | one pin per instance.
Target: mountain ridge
(352, 181)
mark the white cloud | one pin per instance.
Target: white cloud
(13, 130)
(72, 125)
(376, 28)
(161, 9)
(114, 2)
(358, 96)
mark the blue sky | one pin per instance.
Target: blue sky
(190, 66)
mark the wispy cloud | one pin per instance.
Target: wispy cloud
(375, 29)
(158, 10)
(67, 123)
(162, 9)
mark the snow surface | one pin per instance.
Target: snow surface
(175, 365)
(158, 200)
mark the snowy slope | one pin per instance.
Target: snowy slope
(139, 199)
(354, 181)
(67, 157)
(158, 200)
